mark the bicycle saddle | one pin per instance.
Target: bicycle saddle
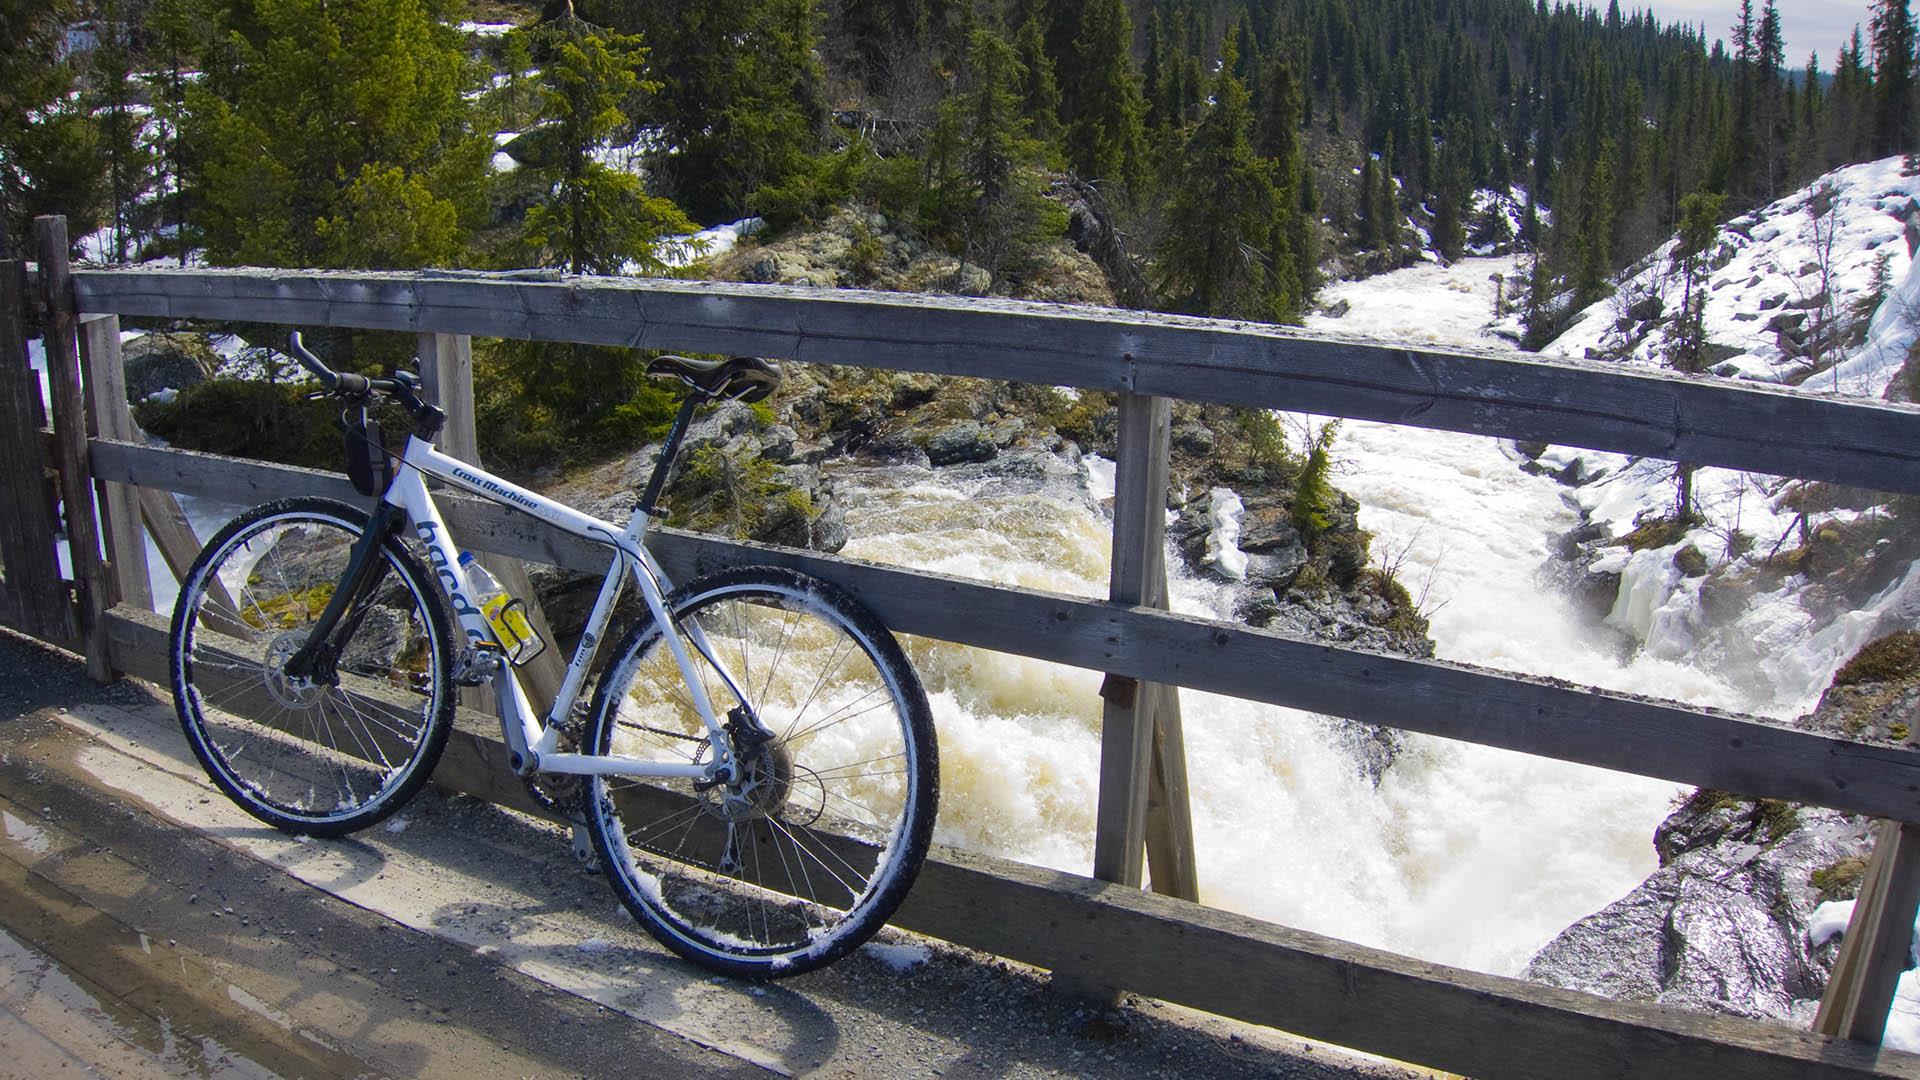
(742, 378)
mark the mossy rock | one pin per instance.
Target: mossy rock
(1658, 532)
(1839, 880)
(1896, 656)
(1690, 561)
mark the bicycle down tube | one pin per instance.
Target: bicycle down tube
(532, 739)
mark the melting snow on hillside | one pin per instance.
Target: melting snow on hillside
(1767, 273)
(1771, 273)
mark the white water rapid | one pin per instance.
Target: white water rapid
(1463, 854)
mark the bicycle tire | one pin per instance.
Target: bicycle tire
(310, 757)
(834, 820)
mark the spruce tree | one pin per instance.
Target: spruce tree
(1227, 246)
(1039, 88)
(1893, 77)
(110, 95)
(592, 218)
(983, 177)
(741, 103)
(1105, 137)
(49, 142)
(311, 151)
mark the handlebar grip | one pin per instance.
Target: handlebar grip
(312, 363)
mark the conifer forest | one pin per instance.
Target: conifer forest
(1236, 153)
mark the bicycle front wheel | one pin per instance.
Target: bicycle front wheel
(810, 850)
(322, 755)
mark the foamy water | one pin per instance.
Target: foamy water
(1463, 854)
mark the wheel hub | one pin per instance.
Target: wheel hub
(765, 780)
(294, 692)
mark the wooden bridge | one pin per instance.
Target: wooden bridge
(1101, 931)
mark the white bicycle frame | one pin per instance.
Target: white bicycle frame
(532, 739)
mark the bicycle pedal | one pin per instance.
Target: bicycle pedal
(477, 667)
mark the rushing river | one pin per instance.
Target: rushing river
(1462, 854)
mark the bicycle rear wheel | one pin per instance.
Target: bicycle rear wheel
(803, 858)
(326, 755)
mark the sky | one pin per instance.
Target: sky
(1809, 25)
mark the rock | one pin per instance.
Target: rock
(1714, 353)
(1193, 438)
(1786, 320)
(1690, 561)
(1005, 433)
(1722, 925)
(1276, 572)
(1647, 308)
(156, 362)
(960, 442)
(1773, 301)
(1746, 316)
(1338, 309)
(1809, 303)
(778, 443)
(1597, 592)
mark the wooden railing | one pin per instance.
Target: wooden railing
(1104, 931)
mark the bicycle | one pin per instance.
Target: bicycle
(757, 769)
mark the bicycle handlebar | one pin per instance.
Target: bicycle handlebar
(344, 383)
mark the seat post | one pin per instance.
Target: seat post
(650, 499)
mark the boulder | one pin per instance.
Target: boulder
(1647, 308)
(960, 442)
(157, 362)
(1722, 925)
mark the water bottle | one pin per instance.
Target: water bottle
(506, 615)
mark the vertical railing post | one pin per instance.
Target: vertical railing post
(446, 377)
(106, 384)
(1142, 753)
(38, 599)
(70, 443)
(1879, 939)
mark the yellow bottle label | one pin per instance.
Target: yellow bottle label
(510, 627)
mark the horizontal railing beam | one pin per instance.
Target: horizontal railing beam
(1538, 716)
(1238, 966)
(1697, 419)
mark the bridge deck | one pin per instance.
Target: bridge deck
(467, 943)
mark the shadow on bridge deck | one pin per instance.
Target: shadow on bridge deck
(150, 926)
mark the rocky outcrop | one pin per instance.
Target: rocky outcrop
(863, 249)
(1723, 924)
(157, 362)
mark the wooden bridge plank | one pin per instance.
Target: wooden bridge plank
(1546, 717)
(1699, 419)
(1296, 981)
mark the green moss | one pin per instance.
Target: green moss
(1898, 731)
(1776, 817)
(1896, 656)
(1690, 561)
(1772, 819)
(1839, 880)
(1658, 532)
